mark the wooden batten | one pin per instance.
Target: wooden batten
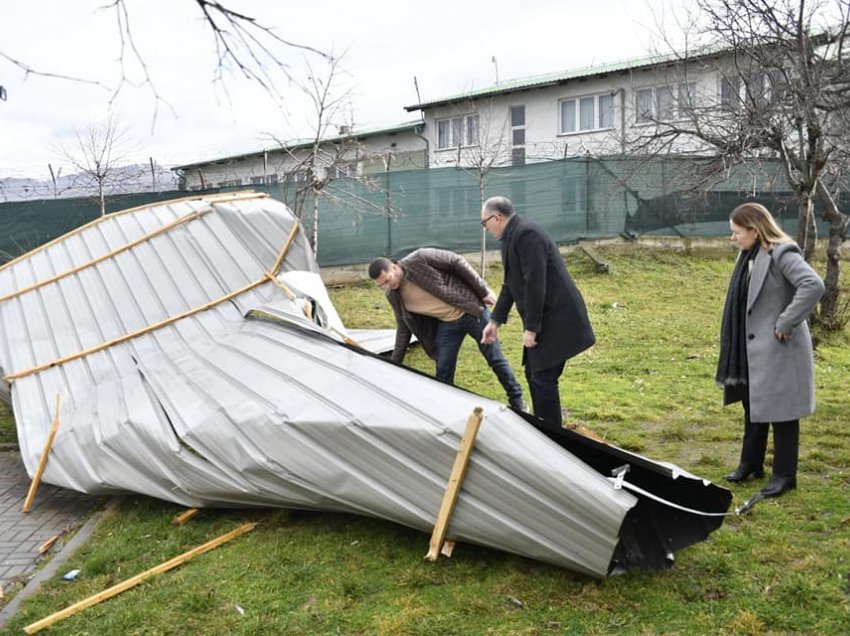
(267, 276)
(32, 628)
(165, 228)
(444, 516)
(42, 462)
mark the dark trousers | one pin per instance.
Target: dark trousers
(786, 444)
(449, 338)
(544, 392)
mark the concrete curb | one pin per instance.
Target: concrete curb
(59, 559)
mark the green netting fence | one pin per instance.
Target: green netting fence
(574, 199)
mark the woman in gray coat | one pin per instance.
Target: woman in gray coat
(766, 359)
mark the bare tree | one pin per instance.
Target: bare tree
(243, 46)
(331, 151)
(784, 94)
(486, 147)
(99, 158)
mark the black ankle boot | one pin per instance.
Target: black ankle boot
(743, 472)
(777, 485)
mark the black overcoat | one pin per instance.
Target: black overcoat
(547, 299)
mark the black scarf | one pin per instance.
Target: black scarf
(732, 365)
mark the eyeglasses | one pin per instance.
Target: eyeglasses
(484, 222)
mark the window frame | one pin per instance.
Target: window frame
(449, 128)
(666, 97)
(577, 102)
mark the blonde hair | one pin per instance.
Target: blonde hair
(754, 216)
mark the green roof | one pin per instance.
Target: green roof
(551, 79)
(296, 144)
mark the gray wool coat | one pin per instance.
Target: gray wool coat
(783, 291)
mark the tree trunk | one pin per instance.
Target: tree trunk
(102, 198)
(830, 307)
(807, 232)
(314, 233)
(483, 229)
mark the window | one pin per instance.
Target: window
(729, 94)
(568, 116)
(472, 130)
(664, 103)
(643, 105)
(591, 112)
(517, 115)
(756, 90)
(457, 131)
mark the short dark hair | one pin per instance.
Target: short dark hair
(501, 205)
(378, 266)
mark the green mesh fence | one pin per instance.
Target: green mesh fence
(397, 212)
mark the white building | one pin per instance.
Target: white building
(398, 147)
(597, 110)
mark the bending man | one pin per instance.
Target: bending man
(436, 295)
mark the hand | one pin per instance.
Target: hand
(490, 333)
(782, 337)
(490, 299)
(529, 339)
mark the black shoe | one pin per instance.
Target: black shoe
(743, 473)
(777, 485)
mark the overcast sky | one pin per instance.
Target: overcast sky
(448, 45)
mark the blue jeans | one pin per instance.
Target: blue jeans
(544, 392)
(449, 338)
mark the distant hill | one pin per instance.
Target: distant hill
(126, 180)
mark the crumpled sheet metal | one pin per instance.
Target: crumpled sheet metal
(250, 403)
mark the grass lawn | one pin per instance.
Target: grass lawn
(647, 386)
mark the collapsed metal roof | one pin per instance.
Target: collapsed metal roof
(195, 357)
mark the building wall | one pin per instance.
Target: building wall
(375, 154)
(544, 139)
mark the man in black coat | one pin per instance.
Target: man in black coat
(553, 312)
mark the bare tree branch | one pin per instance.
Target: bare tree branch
(28, 70)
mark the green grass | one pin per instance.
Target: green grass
(8, 434)
(647, 385)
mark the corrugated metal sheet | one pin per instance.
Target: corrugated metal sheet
(250, 402)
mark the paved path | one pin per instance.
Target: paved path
(55, 511)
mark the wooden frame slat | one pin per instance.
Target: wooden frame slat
(444, 516)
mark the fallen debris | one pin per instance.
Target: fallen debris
(208, 367)
(32, 628)
(183, 517)
(45, 547)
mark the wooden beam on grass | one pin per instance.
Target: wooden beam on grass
(185, 516)
(444, 516)
(32, 628)
(42, 462)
